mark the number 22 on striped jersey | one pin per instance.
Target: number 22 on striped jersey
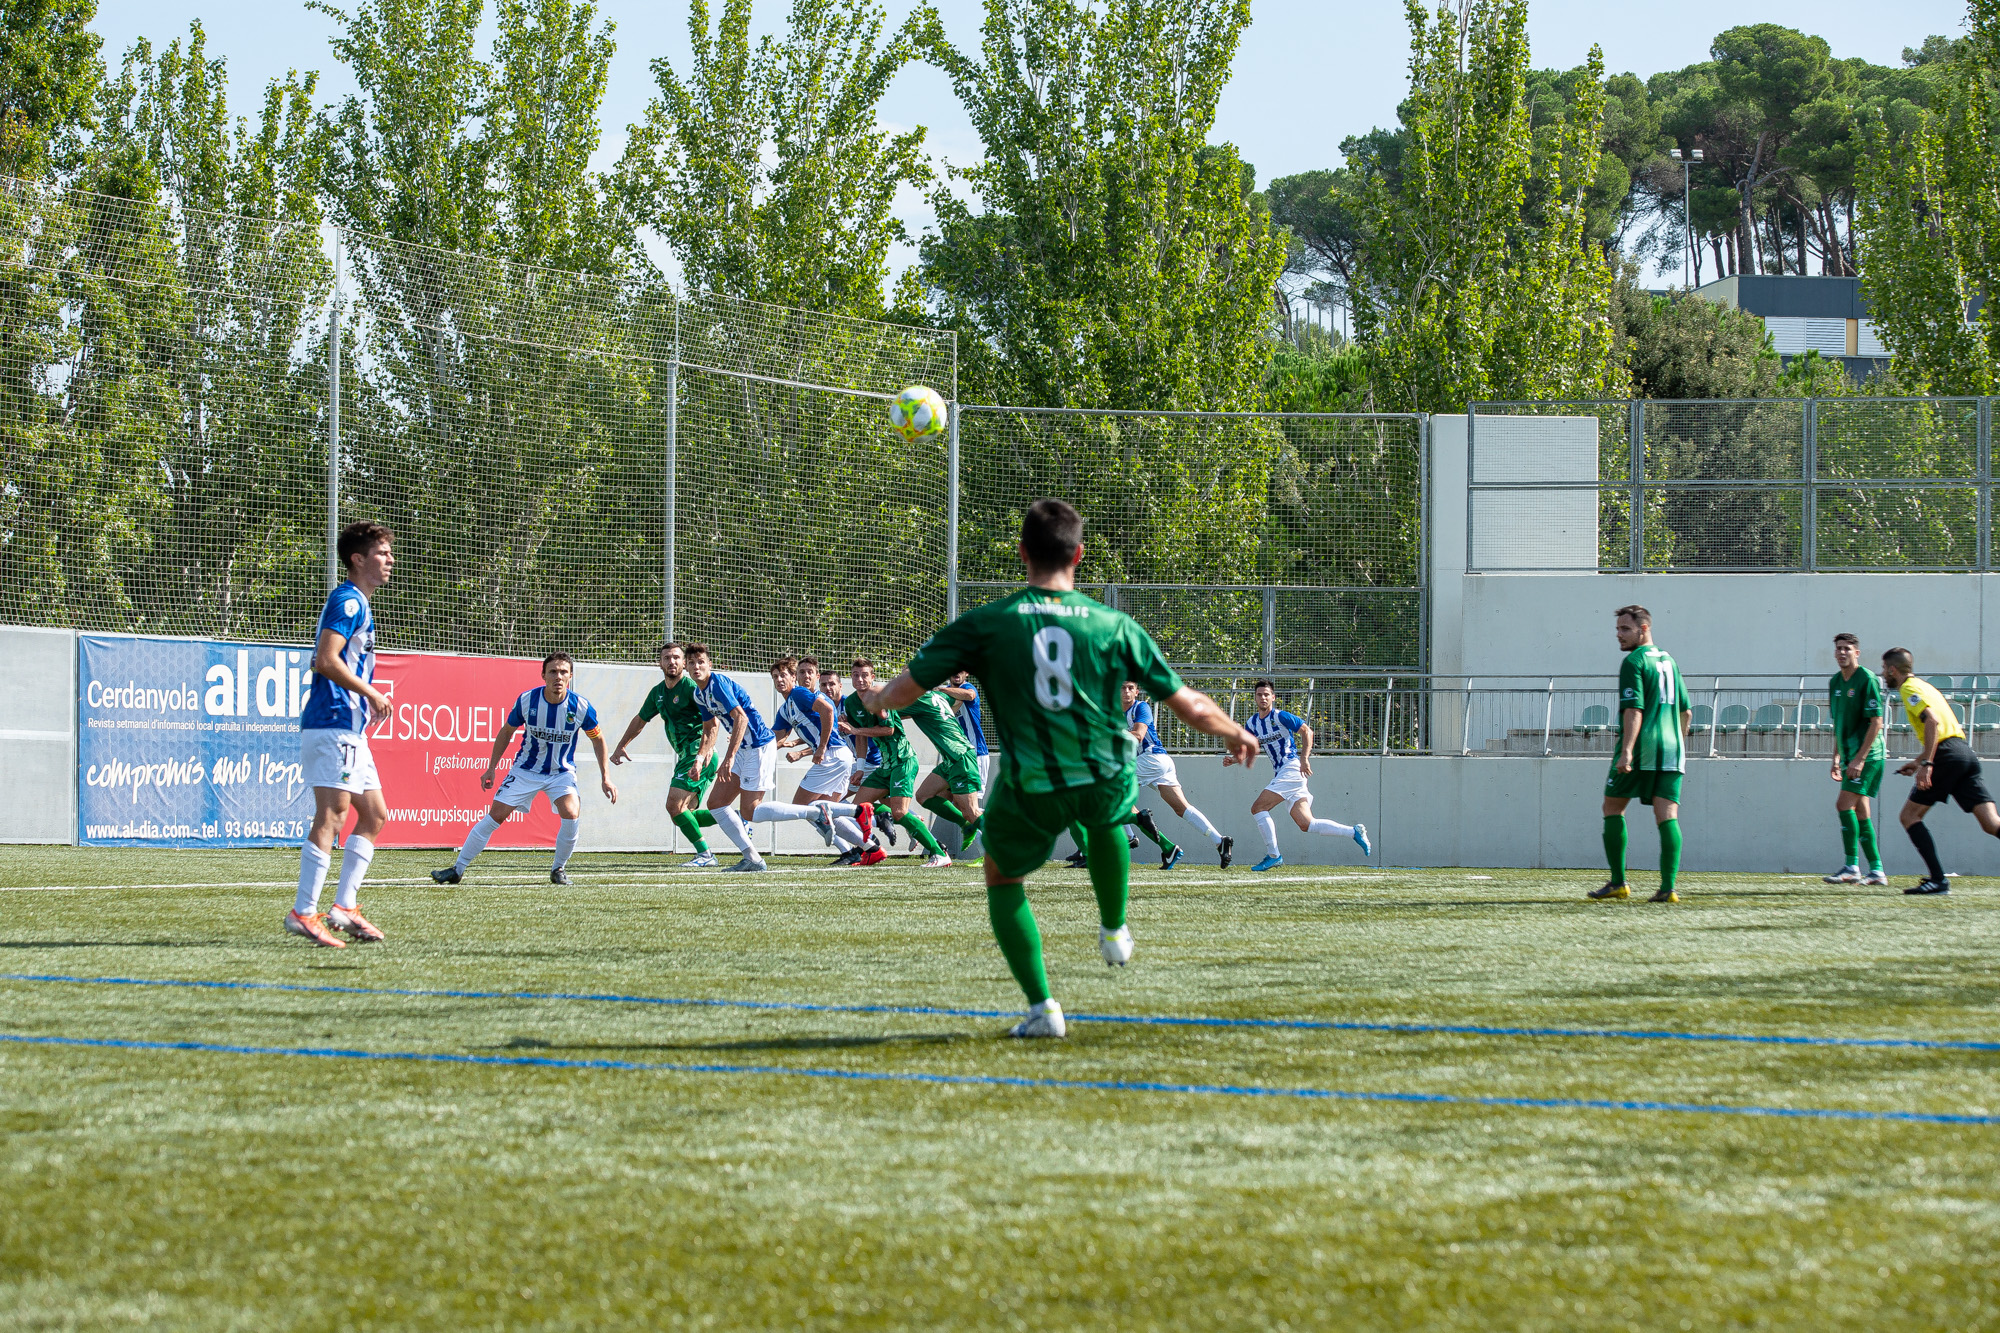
(1054, 653)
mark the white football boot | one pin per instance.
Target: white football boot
(1115, 945)
(1043, 1020)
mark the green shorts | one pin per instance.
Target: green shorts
(898, 776)
(1646, 784)
(1022, 827)
(1870, 782)
(960, 772)
(688, 780)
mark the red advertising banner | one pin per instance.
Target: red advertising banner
(434, 742)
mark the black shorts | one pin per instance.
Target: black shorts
(1954, 774)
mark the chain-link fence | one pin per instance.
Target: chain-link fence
(1763, 484)
(192, 402)
(1275, 540)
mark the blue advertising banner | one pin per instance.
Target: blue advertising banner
(189, 743)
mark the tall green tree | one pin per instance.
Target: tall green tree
(1116, 258)
(1464, 296)
(812, 226)
(49, 70)
(1929, 225)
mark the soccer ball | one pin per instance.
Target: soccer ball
(916, 412)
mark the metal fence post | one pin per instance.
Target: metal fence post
(1388, 694)
(1808, 501)
(673, 458)
(1635, 440)
(1548, 717)
(951, 514)
(333, 425)
(1270, 629)
(1985, 465)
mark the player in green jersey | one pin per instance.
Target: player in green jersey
(895, 781)
(1653, 718)
(1854, 696)
(1052, 664)
(692, 737)
(951, 789)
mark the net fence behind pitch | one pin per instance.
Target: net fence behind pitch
(1234, 538)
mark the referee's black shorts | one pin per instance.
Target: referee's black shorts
(1954, 774)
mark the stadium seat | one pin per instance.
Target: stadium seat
(1942, 683)
(1809, 717)
(1735, 717)
(1771, 717)
(1704, 718)
(1986, 716)
(1595, 718)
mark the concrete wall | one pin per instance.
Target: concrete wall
(1732, 624)
(38, 731)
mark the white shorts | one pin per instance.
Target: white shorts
(1289, 783)
(829, 776)
(518, 788)
(985, 773)
(755, 767)
(1157, 770)
(338, 759)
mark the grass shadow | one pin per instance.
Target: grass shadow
(766, 1044)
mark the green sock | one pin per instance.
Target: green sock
(1866, 828)
(1614, 846)
(942, 807)
(1159, 839)
(1850, 836)
(1670, 854)
(688, 824)
(705, 817)
(1020, 941)
(1110, 874)
(915, 828)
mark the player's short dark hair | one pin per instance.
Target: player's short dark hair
(695, 649)
(1637, 614)
(1270, 685)
(1845, 637)
(860, 662)
(558, 656)
(667, 647)
(1051, 532)
(359, 539)
(805, 662)
(1899, 658)
(788, 665)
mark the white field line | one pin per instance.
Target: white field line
(660, 875)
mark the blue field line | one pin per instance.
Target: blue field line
(1141, 1020)
(1016, 1081)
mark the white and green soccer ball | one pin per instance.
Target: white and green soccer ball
(917, 411)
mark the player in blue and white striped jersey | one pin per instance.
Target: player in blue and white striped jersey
(806, 715)
(333, 743)
(1156, 770)
(749, 759)
(549, 720)
(1287, 742)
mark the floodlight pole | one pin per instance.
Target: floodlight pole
(673, 451)
(1687, 162)
(951, 514)
(333, 423)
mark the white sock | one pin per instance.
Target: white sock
(354, 859)
(1330, 829)
(312, 878)
(776, 812)
(839, 808)
(565, 841)
(1200, 821)
(475, 841)
(734, 829)
(846, 834)
(1270, 828)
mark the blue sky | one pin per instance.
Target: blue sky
(1307, 74)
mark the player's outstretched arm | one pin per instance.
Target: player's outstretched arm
(632, 730)
(1206, 716)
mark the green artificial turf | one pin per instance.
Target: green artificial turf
(194, 1189)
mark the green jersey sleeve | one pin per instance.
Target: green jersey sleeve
(656, 703)
(946, 653)
(1631, 684)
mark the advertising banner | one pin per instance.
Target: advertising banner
(194, 743)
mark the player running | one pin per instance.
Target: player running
(895, 781)
(1288, 741)
(549, 720)
(1156, 770)
(749, 762)
(1945, 769)
(1052, 662)
(692, 738)
(1854, 696)
(810, 716)
(951, 789)
(867, 758)
(333, 743)
(1653, 720)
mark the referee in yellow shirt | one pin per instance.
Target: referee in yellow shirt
(1946, 768)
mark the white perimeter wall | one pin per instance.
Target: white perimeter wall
(38, 735)
(1730, 624)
